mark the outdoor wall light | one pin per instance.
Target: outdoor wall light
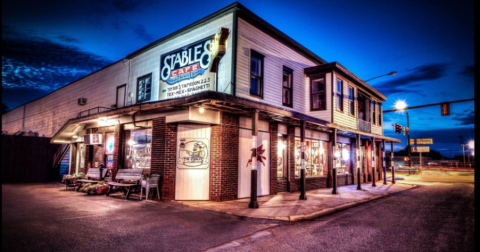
(131, 142)
(471, 144)
(201, 109)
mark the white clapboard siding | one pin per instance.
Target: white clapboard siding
(277, 55)
(192, 183)
(343, 118)
(244, 171)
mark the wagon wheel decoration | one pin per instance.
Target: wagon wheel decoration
(260, 156)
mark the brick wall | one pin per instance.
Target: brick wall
(273, 157)
(224, 159)
(118, 149)
(292, 184)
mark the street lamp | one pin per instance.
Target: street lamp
(401, 105)
(391, 73)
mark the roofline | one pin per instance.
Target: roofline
(343, 70)
(105, 67)
(234, 7)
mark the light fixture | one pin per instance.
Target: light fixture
(131, 142)
(344, 155)
(400, 104)
(337, 154)
(471, 144)
(202, 109)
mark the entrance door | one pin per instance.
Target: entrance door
(244, 171)
(121, 96)
(193, 162)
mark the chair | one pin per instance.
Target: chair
(70, 182)
(151, 183)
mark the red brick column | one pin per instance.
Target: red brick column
(273, 157)
(117, 149)
(216, 140)
(292, 184)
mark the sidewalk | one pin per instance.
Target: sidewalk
(286, 206)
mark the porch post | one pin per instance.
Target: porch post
(384, 165)
(393, 166)
(373, 162)
(303, 181)
(253, 188)
(359, 183)
(335, 158)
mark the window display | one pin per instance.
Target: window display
(315, 157)
(281, 157)
(342, 153)
(138, 147)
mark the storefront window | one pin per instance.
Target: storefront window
(81, 163)
(342, 154)
(315, 157)
(109, 148)
(138, 149)
(281, 154)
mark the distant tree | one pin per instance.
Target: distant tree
(435, 155)
(4, 108)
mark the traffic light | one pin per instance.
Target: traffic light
(445, 109)
(398, 128)
(406, 131)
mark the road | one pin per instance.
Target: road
(432, 217)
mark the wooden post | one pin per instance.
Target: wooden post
(384, 167)
(334, 166)
(253, 189)
(358, 142)
(373, 162)
(393, 166)
(303, 181)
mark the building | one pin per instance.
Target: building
(194, 105)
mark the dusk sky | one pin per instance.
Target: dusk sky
(48, 44)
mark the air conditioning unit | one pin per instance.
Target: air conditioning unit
(82, 101)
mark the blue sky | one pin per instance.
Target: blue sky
(48, 44)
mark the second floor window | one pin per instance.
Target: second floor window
(339, 98)
(287, 89)
(144, 88)
(374, 117)
(256, 74)
(318, 99)
(351, 104)
(379, 114)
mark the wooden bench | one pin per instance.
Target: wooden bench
(98, 173)
(127, 179)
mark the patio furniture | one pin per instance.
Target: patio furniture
(127, 179)
(70, 182)
(150, 183)
(97, 173)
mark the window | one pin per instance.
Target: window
(351, 104)
(379, 113)
(281, 157)
(256, 74)
(144, 88)
(374, 117)
(315, 157)
(138, 148)
(287, 89)
(342, 158)
(317, 90)
(339, 95)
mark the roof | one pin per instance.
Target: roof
(344, 71)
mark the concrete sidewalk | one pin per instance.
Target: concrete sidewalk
(286, 206)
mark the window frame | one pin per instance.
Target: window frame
(339, 97)
(351, 101)
(138, 84)
(261, 57)
(380, 114)
(374, 114)
(312, 80)
(289, 70)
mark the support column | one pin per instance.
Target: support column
(334, 165)
(373, 162)
(384, 166)
(393, 166)
(253, 189)
(303, 181)
(358, 142)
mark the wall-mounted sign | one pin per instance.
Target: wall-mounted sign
(193, 153)
(420, 148)
(109, 143)
(93, 139)
(420, 141)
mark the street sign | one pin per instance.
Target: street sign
(420, 148)
(420, 141)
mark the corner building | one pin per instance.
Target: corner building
(193, 106)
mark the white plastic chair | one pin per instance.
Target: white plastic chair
(150, 183)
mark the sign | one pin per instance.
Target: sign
(185, 71)
(420, 148)
(93, 139)
(193, 153)
(421, 141)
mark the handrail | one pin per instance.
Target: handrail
(59, 154)
(80, 114)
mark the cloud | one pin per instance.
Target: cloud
(409, 82)
(142, 33)
(126, 5)
(468, 71)
(465, 119)
(67, 39)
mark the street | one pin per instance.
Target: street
(432, 217)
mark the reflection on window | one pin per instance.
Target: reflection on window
(144, 88)
(281, 157)
(138, 149)
(315, 157)
(342, 154)
(317, 99)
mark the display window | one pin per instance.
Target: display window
(281, 157)
(342, 154)
(315, 157)
(138, 149)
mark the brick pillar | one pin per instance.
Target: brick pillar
(292, 185)
(73, 160)
(216, 140)
(273, 157)
(117, 149)
(230, 150)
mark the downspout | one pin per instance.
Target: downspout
(139, 126)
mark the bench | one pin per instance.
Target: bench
(123, 177)
(92, 173)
